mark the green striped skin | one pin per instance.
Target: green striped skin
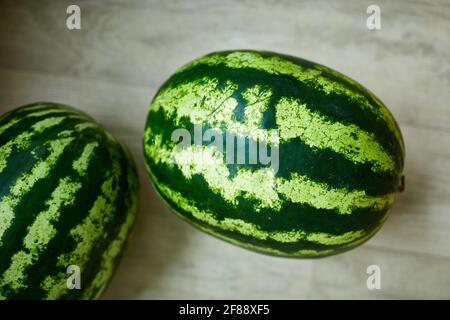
(341, 153)
(68, 196)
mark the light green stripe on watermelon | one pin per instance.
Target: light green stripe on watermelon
(8, 125)
(38, 113)
(268, 250)
(302, 253)
(293, 120)
(300, 189)
(217, 109)
(37, 106)
(40, 126)
(262, 185)
(109, 256)
(23, 140)
(257, 101)
(39, 234)
(279, 66)
(48, 112)
(82, 163)
(85, 125)
(27, 180)
(252, 230)
(258, 185)
(86, 235)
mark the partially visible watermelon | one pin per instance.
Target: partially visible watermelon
(340, 153)
(68, 197)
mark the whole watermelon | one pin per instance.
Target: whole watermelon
(68, 197)
(274, 153)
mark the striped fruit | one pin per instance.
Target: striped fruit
(68, 199)
(340, 153)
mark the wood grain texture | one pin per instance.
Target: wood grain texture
(126, 49)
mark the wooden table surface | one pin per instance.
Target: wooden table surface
(112, 67)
